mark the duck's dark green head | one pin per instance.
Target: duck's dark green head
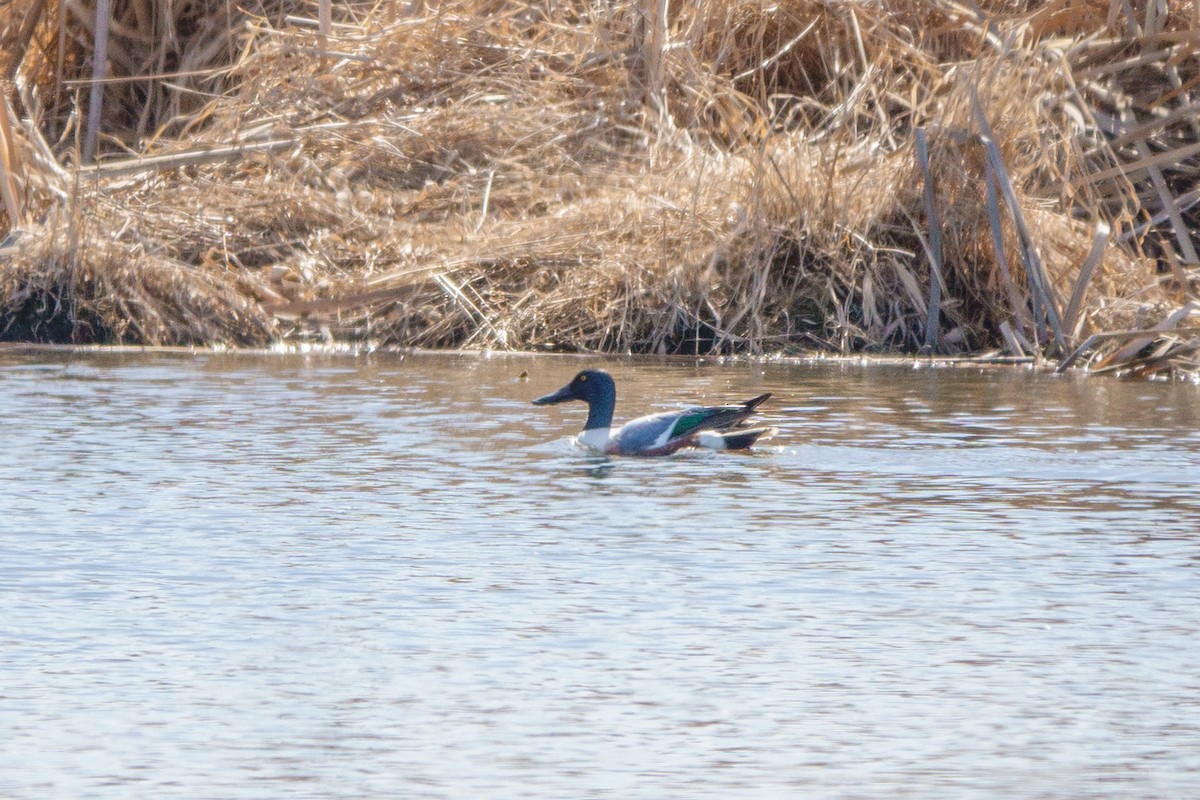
(594, 387)
(590, 386)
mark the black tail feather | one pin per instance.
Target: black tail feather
(726, 417)
(755, 402)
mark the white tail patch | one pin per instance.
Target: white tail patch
(732, 440)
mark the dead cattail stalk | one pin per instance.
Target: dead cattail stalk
(1172, 321)
(1016, 301)
(9, 164)
(16, 52)
(324, 29)
(652, 46)
(933, 316)
(1042, 292)
(204, 155)
(324, 20)
(1072, 316)
(1011, 340)
(99, 71)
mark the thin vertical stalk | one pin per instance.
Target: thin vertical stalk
(324, 19)
(653, 45)
(8, 167)
(1088, 268)
(17, 51)
(1043, 297)
(933, 318)
(993, 206)
(99, 72)
(324, 24)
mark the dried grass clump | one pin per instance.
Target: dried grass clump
(739, 177)
(98, 284)
(163, 62)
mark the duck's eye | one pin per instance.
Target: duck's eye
(583, 377)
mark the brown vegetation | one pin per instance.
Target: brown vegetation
(743, 177)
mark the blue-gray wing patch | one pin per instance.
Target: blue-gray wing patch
(644, 433)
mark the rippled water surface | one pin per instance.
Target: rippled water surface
(375, 576)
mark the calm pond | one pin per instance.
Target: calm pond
(331, 575)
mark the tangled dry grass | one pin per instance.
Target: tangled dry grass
(734, 176)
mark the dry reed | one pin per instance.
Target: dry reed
(732, 176)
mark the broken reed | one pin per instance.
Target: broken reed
(708, 177)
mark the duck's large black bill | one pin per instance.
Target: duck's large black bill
(561, 396)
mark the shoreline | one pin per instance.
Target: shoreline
(353, 350)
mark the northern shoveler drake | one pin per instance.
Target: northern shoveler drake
(714, 427)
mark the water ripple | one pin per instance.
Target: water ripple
(328, 576)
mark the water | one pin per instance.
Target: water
(240, 576)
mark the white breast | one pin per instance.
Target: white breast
(595, 438)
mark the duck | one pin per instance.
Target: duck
(711, 427)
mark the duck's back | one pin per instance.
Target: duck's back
(666, 432)
(645, 435)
